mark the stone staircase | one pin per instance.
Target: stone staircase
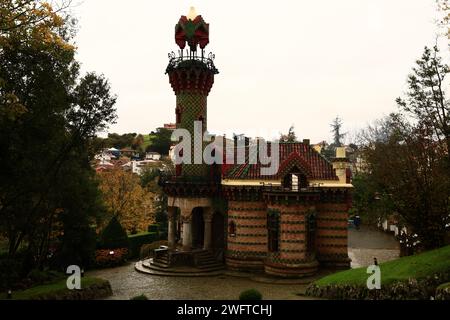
(206, 261)
(201, 263)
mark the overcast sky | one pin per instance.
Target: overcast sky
(281, 62)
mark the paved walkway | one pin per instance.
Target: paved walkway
(368, 243)
(364, 244)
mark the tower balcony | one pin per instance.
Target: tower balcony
(191, 61)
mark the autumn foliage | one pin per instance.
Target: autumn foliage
(127, 199)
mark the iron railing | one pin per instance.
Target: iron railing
(191, 58)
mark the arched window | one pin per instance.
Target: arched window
(295, 180)
(232, 229)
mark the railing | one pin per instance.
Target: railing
(282, 189)
(191, 58)
(170, 178)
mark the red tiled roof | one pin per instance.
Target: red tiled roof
(313, 164)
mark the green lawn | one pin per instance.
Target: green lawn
(417, 266)
(58, 286)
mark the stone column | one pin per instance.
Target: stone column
(186, 216)
(207, 218)
(171, 214)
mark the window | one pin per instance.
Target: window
(295, 180)
(273, 226)
(311, 233)
(232, 229)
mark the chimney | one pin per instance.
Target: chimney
(340, 164)
(341, 153)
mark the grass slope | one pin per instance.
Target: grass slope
(59, 286)
(417, 266)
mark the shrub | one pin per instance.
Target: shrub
(153, 227)
(411, 289)
(147, 249)
(38, 277)
(251, 294)
(114, 236)
(141, 297)
(106, 258)
(137, 240)
(443, 292)
(9, 273)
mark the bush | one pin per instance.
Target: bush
(147, 249)
(107, 258)
(38, 277)
(141, 297)
(136, 241)
(443, 292)
(251, 294)
(411, 289)
(9, 273)
(153, 227)
(114, 236)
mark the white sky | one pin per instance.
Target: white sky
(281, 62)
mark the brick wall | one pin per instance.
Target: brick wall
(250, 241)
(332, 233)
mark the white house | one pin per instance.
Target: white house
(152, 156)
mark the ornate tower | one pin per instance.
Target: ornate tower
(191, 76)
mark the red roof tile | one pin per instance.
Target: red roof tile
(313, 164)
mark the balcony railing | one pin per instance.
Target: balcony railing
(191, 59)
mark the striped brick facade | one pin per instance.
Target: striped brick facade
(248, 249)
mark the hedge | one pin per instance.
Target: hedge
(137, 240)
(411, 289)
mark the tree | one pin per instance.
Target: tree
(408, 153)
(138, 142)
(426, 100)
(336, 126)
(48, 116)
(409, 171)
(114, 235)
(120, 141)
(127, 199)
(444, 7)
(161, 141)
(289, 137)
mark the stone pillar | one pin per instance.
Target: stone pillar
(186, 216)
(171, 213)
(207, 218)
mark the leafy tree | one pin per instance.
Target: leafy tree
(49, 115)
(126, 199)
(161, 141)
(408, 161)
(120, 141)
(138, 142)
(289, 137)
(444, 7)
(426, 100)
